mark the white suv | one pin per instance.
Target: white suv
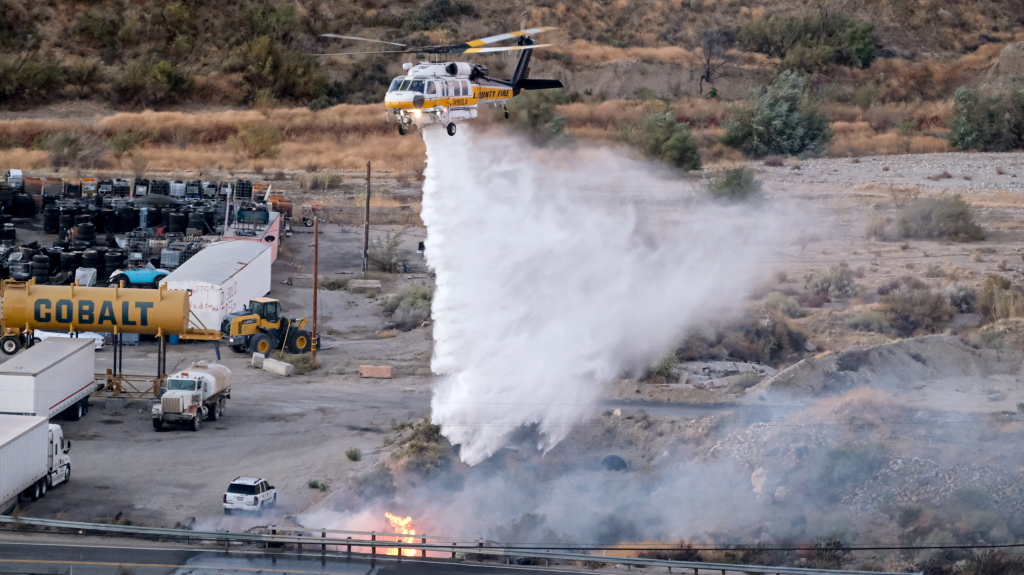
(249, 494)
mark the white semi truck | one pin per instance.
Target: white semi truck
(33, 458)
(56, 375)
(194, 394)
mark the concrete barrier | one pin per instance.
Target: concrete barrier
(278, 367)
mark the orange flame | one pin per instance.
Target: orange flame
(403, 526)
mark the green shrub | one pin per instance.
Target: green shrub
(836, 282)
(756, 339)
(410, 308)
(986, 340)
(533, 113)
(354, 454)
(258, 141)
(30, 80)
(783, 120)
(987, 123)
(303, 362)
(147, 83)
(659, 136)
(944, 217)
(81, 151)
(386, 254)
(424, 451)
(124, 142)
(811, 43)
(783, 303)
(737, 184)
(283, 73)
(911, 311)
(868, 320)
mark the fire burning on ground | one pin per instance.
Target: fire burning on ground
(403, 526)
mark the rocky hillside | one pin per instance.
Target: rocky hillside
(158, 53)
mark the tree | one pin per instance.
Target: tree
(712, 63)
(782, 120)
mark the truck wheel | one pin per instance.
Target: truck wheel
(273, 503)
(10, 345)
(158, 423)
(75, 412)
(227, 511)
(215, 411)
(33, 492)
(299, 342)
(308, 222)
(42, 487)
(259, 509)
(223, 406)
(119, 278)
(196, 422)
(67, 474)
(261, 343)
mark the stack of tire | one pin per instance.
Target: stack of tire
(178, 222)
(113, 260)
(41, 268)
(21, 270)
(51, 220)
(8, 233)
(109, 219)
(86, 234)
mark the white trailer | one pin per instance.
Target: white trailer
(221, 279)
(33, 458)
(48, 378)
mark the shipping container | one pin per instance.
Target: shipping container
(33, 458)
(48, 378)
(221, 279)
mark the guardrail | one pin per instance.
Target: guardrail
(442, 547)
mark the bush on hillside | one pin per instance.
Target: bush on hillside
(987, 123)
(961, 297)
(737, 184)
(811, 43)
(836, 282)
(258, 141)
(269, 67)
(30, 80)
(80, 151)
(868, 320)
(948, 218)
(533, 113)
(783, 121)
(758, 339)
(913, 311)
(659, 136)
(779, 301)
(147, 83)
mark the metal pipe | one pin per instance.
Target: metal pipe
(366, 223)
(316, 282)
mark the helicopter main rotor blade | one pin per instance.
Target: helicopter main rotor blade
(503, 37)
(500, 49)
(357, 53)
(361, 39)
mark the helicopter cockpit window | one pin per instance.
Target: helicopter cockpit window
(415, 86)
(430, 88)
(396, 83)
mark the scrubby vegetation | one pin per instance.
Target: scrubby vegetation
(736, 185)
(386, 254)
(534, 114)
(945, 217)
(910, 311)
(813, 42)
(783, 303)
(770, 340)
(868, 320)
(1000, 299)
(993, 123)
(659, 136)
(782, 120)
(421, 449)
(836, 282)
(410, 308)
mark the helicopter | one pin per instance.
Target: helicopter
(441, 92)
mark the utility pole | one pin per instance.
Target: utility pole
(316, 281)
(366, 225)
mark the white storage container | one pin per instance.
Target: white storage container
(49, 377)
(221, 279)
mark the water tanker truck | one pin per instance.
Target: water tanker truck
(192, 395)
(28, 307)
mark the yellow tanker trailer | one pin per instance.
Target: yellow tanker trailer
(28, 307)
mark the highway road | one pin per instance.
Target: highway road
(29, 557)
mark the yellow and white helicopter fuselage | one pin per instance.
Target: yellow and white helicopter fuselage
(441, 93)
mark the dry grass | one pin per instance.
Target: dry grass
(859, 139)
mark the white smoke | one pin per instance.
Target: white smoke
(559, 270)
